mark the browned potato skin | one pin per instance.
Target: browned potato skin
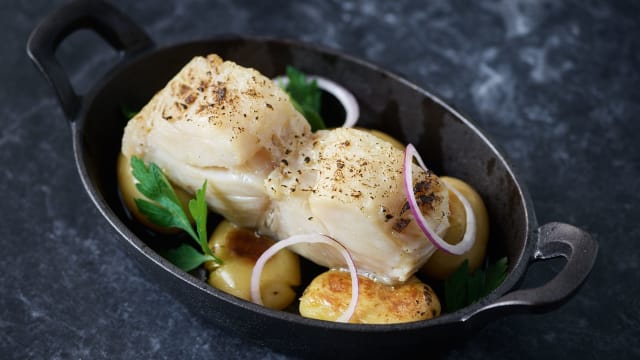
(239, 249)
(441, 265)
(329, 294)
(129, 192)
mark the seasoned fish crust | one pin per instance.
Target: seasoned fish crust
(348, 184)
(222, 122)
(225, 113)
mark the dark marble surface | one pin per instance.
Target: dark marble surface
(556, 84)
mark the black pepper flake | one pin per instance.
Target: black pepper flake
(422, 186)
(221, 93)
(284, 161)
(190, 98)
(401, 224)
(426, 200)
(307, 159)
(405, 208)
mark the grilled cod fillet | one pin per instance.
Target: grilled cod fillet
(218, 121)
(348, 184)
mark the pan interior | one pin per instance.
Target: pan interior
(449, 144)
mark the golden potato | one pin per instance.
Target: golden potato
(329, 294)
(239, 249)
(129, 192)
(441, 265)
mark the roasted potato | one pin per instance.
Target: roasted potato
(441, 265)
(329, 294)
(239, 249)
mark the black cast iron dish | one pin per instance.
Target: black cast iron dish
(450, 144)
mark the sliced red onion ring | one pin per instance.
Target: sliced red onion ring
(469, 237)
(256, 297)
(343, 95)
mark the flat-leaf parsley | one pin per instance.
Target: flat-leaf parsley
(305, 96)
(462, 289)
(165, 210)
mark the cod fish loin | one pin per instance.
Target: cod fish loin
(348, 184)
(220, 122)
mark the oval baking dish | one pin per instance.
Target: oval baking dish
(450, 144)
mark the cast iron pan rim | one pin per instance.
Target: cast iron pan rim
(462, 315)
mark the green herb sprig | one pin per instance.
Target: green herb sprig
(165, 210)
(128, 112)
(463, 289)
(305, 97)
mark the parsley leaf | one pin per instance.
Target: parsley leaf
(163, 216)
(127, 112)
(496, 273)
(305, 97)
(165, 210)
(455, 288)
(462, 289)
(199, 211)
(186, 257)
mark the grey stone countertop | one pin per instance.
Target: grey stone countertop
(555, 83)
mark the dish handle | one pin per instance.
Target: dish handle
(97, 15)
(554, 240)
